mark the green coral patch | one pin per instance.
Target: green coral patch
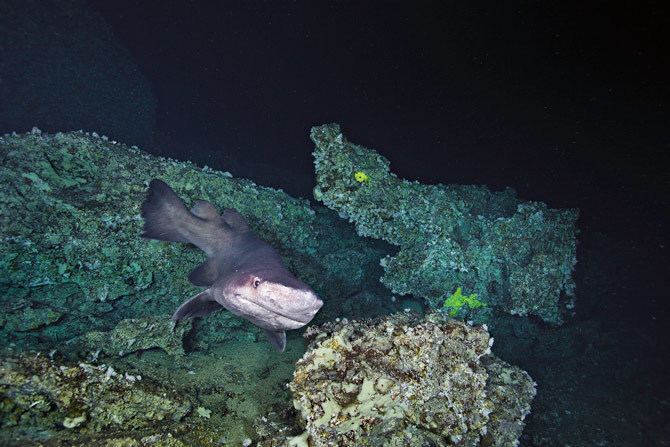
(456, 301)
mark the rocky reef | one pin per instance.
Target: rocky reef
(72, 260)
(517, 256)
(404, 380)
(79, 285)
(78, 282)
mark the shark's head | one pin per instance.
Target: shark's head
(272, 299)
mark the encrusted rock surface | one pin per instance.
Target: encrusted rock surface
(403, 380)
(137, 334)
(40, 398)
(517, 256)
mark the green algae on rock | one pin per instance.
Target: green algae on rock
(138, 334)
(404, 380)
(30, 318)
(516, 256)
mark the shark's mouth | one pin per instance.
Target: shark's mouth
(301, 320)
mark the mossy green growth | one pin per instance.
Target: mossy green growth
(457, 300)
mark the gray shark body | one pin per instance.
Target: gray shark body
(243, 273)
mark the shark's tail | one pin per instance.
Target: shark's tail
(163, 211)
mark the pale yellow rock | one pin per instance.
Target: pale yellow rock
(74, 422)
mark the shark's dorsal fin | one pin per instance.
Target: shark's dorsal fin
(235, 220)
(276, 339)
(206, 273)
(198, 306)
(204, 210)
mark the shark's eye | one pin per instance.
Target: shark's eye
(257, 282)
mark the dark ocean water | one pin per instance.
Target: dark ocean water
(566, 103)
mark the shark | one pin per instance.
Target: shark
(242, 273)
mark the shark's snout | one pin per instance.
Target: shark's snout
(297, 305)
(305, 309)
(272, 305)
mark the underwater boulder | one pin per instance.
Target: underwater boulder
(407, 380)
(515, 256)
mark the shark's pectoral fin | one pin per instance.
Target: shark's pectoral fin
(206, 273)
(198, 306)
(276, 339)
